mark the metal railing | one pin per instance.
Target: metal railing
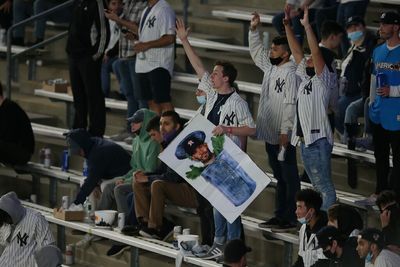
(11, 57)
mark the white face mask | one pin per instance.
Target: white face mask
(5, 232)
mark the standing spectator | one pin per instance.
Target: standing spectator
(60, 16)
(371, 247)
(22, 232)
(5, 14)
(105, 160)
(338, 248)
(152, 190)
(87, 39)
(390, 219)
(111, 52)
(312, 219)
(312, 128)
(230, 113)
(386, 126)
(275, 117)
(155, 49)
(16, 136)
(124, 68)
(21, 10)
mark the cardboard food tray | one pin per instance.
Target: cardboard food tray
(68, 215)
(56, 88)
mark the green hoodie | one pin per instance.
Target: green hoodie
(144, 150)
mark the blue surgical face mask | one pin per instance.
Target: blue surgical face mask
(302, 220)
(368, 258)
(354, 36)
(201, 99)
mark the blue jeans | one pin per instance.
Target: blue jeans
(225, 231)
(288, 181)
(106, 70)
(343, 103)
(21, 10)
(346, 11)
(61, 16)
(317, 163)
(124, 69)
(356, 109)
(131, 219)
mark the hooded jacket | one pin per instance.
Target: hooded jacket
(105, 160)
(30, 232)
(144, 150)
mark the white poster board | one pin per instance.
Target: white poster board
(223, 173)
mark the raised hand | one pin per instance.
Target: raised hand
(305, 20)
(255, 21)
(286, 19)
(180, 29)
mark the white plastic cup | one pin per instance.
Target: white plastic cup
(33, 198)
(65, 202)
(186, 231)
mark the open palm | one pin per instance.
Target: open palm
(181, 31)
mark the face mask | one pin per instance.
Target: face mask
(169, 136)
(305, 219)
(5, 232)
(368, 259)
(310, 71)
(354, 36)
(329, 254)
(201, 99)
(275, 61)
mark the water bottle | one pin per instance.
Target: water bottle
(47, 157)
(88, 210)
(85, 168)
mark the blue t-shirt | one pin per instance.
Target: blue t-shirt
(387, 62)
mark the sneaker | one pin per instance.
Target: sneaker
(283, 228)
(365, 143)
(150, 233)
(116, 250)
(121, 136)
(131, 230)
(273, 222)
(216, 251)
(87, 240)
(369, 201)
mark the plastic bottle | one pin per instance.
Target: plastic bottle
(88, 210)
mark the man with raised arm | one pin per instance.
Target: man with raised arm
(275, 117)
(311, 127)
(230, 113)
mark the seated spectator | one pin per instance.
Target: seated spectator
(312, 128)
(22, 232)
(231, 115)
(312, 219)
(60, 16)
(371, 247)
(346, 219)
(49, 256)
(338, 248)
(144, 159)
(105, 160)
(151, 191)
(153, 129)
(235, 253)
(390, 219)
(16, 135)
(111, 52)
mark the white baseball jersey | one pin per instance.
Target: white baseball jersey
(159, 21)
(312, 102)
(235, 112)
(277, 104)
(30, 234)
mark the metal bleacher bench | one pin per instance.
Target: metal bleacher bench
(136, 243)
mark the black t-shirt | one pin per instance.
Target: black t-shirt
(15, 126)
(215, 113)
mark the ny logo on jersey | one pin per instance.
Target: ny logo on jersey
(229, 119)
(22, 240)
(307, 88)
(279, 85)
(151, 21)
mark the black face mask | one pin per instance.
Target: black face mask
(329, 254)
(310, 71)
(275, 61)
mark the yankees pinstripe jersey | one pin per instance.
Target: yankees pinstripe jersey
(276, 108)
(30, 234)
(312, 101)
(235, 112)
(159, 21)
